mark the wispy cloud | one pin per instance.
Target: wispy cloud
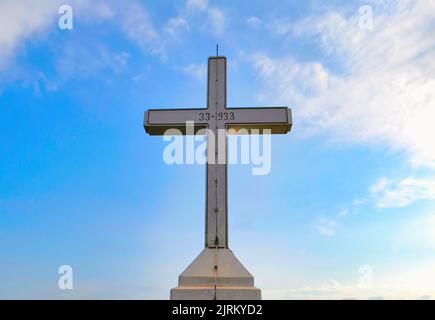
(20, 20)
(212, 18)
(384, 94)
(327, 227)
(138, 26)
(254, 22)
(392, 194)
(24, 20)
(176, 25)
(198, 71)
(98, 59)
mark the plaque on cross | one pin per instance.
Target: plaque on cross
(217, 117)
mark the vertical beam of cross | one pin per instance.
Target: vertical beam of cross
(217, 118)
(216, 190)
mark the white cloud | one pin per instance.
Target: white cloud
(176, 25)
(198, 71)
(197, 4)
(392, 194)
(25, 20)
(343, 213)
(384, 93)
(212, 19)
(380, 185)
(327, 227)
(98, 59)
(292, 79)
(281, 26)
(137, 25)
(91, 11)
(254, 22)
(21, 20)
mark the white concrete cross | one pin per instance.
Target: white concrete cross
(217, 117)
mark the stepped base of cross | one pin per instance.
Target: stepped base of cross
(229, 281)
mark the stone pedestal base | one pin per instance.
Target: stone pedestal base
(203, 281)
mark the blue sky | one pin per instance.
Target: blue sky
(352, 186)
